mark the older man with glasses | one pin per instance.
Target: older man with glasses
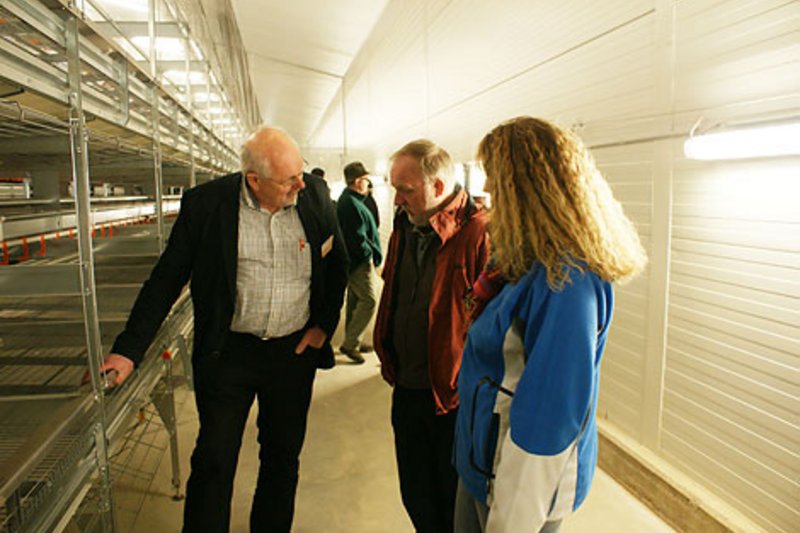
(268, 269)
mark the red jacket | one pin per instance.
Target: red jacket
(461, 226)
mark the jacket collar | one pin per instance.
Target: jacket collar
(448, 220)
(350, 192)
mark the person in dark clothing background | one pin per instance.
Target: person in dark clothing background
(369, 201)
(364, 248)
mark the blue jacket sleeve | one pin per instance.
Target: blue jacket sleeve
(556, 387)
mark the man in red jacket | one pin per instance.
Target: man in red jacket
(438, 248)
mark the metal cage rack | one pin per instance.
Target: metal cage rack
(80, 120)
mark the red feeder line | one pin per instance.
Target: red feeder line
(25, 251)
(111, 231)
(71, 236)
(42, 246)
(4, 261)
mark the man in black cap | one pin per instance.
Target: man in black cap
(364, 248)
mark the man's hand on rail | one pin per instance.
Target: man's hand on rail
(119, 363)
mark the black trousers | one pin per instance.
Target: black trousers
(226, 384)
(423, 443)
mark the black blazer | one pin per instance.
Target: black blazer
(203, 245)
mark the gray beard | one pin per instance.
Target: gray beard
(422, 220)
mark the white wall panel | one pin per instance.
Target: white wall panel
(511, 42)
(611, 78)
(731, 409)
(629, 171)
(735, 51)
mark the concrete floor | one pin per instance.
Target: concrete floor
(348, 480)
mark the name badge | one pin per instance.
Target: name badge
(327, 246)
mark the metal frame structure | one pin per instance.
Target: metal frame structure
(73, 96)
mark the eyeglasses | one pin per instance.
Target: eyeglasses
(291, 180)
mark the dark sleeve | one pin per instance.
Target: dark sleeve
(351, 226)
(335, 267)
(359, 232)
(372, 205)
(160, 291)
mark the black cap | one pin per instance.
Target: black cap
(353, 171)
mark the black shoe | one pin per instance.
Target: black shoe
(365, 348)
(352, 354)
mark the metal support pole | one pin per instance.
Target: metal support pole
(192, 171)
(151, 33)
(123, 91)
(173, 433)
(156, 129)
(188, 370)
(80, 180)
(190, 106)
(158, 179)
(164, 401)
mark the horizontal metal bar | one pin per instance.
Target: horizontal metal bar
(35, 360)
(34, 225)
(152, 368)
(121, 246)
(40, 280)
(40, 396)
(25, 71)
(63, 391)
(95, 58)
(180, 64)
(39, 17)
(38, 145)
(139, 29)
(39, 443)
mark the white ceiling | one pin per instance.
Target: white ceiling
(298, 52)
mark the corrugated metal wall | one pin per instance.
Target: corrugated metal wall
(703, 362)
(731, 388)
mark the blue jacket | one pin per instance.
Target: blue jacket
(526, 436)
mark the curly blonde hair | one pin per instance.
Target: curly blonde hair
(551, 205)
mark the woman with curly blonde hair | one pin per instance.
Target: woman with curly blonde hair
(526, 437)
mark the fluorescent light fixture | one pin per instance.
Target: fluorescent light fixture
(746, 142)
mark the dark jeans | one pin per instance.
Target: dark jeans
(423, 444)
(226, 384)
